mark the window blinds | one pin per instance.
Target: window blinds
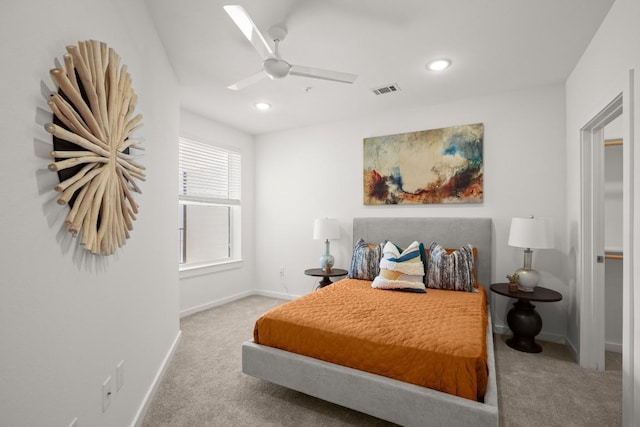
(208, 174)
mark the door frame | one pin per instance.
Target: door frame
(591, 307)
(592, 336)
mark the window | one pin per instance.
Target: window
(209, 204)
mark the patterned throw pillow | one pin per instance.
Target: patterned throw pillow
(453, 271)
(365, 262)
(401, 269)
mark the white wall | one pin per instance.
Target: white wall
(613, 305)
(210, 287)
(316, 171)
(601, 74)
(66, 317)
(613, 155)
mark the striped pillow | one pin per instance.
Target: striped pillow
(401, 269)
(365, 262)
(453, 271)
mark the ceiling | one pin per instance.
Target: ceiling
(494, 45)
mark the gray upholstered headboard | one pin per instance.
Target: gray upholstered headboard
(449, 232)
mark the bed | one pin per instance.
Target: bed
(401, 402)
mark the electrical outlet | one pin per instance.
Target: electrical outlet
(106, 394)
(119, 375)
(74, 423)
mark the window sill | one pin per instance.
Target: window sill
(202, 269)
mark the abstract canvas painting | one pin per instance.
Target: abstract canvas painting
(426, 167)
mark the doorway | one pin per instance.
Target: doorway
(613, 255)
(589, 296)
(592, 323)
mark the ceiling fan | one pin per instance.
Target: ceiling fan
(273, 66)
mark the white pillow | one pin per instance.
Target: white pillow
(401, 269)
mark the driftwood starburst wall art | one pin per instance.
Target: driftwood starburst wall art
(93, 123)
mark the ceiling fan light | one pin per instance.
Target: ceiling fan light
(262, 106)
(276, 68)
(439, 64)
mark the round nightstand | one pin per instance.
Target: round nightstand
(523, 319)
(318, 272)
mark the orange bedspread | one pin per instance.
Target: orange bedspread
(435, 340)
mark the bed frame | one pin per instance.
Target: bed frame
(386, 398)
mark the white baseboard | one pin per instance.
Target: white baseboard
(609, 346)
(546, 336)
(501, 329)
(148, 398)
(612, 346)
(573, 350)
(215, 303)
(272, 294)
(226, 300)
(543, 336)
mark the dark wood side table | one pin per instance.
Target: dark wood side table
(523, 319)
(318, 272)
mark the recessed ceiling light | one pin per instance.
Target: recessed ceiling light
(262, 106)
(439, 64)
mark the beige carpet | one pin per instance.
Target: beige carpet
(204, 385)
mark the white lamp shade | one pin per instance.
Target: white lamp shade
(326, 229)
(532, 233)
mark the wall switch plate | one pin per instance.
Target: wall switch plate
(119, 375)
(106, 394)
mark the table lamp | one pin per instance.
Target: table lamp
(326, 229)
(530, 233)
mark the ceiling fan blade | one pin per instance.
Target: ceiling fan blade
(254, 78)
(249, 29)
(317, 73)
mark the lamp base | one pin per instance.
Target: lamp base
(326, 262)
(527, 279)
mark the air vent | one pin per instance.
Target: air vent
(393, 87)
